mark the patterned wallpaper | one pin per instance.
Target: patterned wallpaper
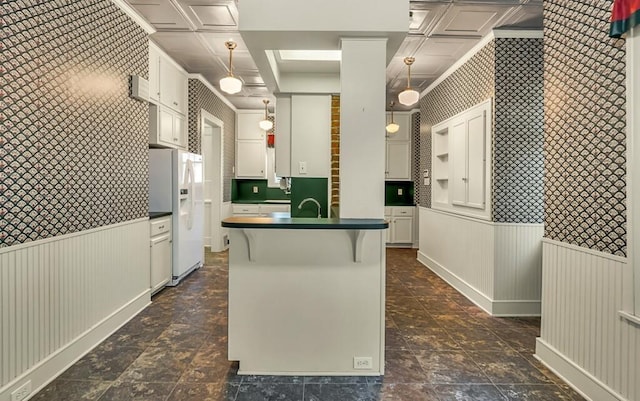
(416, 173)
(518, 159)
(472, 83)
(73, 145)
(509, 70)
(201, 97)
(584, 84)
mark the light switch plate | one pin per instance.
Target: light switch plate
(399, 191)
(255, 189)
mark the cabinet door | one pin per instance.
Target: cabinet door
(249, 126)
(404, 132)
(179, 131)
(181, 92)
(476, 160)
(250, 159)
(398, 161)
(168, 75)
(160, 272)
(402, 230)
(166, 126)
(154, 73)
(458, 159)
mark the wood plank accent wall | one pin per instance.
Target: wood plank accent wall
(59, 291)
(583, 338)
(500, 268)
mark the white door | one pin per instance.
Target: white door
(458, 159)
(476, 164)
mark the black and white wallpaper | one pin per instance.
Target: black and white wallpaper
(472, 83)
(73, 144)
(416, 173)
(201, 97)
(509, 71)
(518, 159)
(584, 84)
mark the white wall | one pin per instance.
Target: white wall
(497, 266)
(362, 122)
(311, 135)
(62, 296)
(583, 338)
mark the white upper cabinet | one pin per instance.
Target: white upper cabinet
(461, 160)
(251, 146)
(403, 119)
(248, 124)
(398, 151)
(168, 83)
(154, 73)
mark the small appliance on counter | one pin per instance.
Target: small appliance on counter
(176, 186)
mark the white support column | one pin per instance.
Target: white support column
(362, 122)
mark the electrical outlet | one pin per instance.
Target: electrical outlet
(362, 362)
(21, 392)
(399, 191)
(302, 168)
(255, 189)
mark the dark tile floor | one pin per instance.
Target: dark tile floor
(439, 347)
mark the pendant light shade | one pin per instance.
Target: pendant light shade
(230, 84)
(408, 97)
(392, 127)
(266, 124)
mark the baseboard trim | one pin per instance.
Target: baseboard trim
(51, 367)
(475, 296)
(498, 308)
(579, 379)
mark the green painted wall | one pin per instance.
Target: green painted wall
(302, 188)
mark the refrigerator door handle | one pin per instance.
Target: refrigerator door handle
(189, 179)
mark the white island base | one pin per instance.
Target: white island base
(307, 301)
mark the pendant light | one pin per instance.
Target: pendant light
(392, 127)
(230, 84)
(409, 97)
(266, 124)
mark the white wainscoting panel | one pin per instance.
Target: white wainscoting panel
(583, 338)
(61, 296)
(497, 266)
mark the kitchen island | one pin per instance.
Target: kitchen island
(306, 295)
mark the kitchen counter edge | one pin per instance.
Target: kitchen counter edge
(304, 223)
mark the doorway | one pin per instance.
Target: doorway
(212, 138)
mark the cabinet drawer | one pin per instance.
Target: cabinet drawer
(159, 226)
(402, 211)
(245, 209)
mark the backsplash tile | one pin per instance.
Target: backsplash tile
(73, 144)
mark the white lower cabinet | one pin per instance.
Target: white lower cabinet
(258, 209)
(160, 245)
(400, 220)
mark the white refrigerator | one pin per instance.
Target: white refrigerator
(176, 185)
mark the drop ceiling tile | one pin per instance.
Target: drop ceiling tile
(161, 14)
(213, 16)
(424, 16)
(215, 41)
(527, 16)
(471, 20)
(445, 46)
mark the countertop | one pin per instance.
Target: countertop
(281, 220)
(153, 215)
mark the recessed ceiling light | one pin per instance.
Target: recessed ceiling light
(310, 55)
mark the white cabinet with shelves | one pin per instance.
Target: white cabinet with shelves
(401, 228)
(160, 252)
(398, 149)
(460, 160)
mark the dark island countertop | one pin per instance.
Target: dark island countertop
(278, 220)
(263, 202)
(153, 215)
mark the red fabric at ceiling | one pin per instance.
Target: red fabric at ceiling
(625, 14)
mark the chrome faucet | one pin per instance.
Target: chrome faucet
(310, 200)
